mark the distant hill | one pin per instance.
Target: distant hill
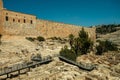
(109, 32)
(104, 29)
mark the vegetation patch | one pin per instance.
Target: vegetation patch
(30, 39)
(104, 29)
(56, 38)
(67, 53)
(78, 45)
(40, 38)
(105, 46)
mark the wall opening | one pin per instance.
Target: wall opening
(24, 21)
(19, 21)
(13, 20)
(6, 18)
(31, 22)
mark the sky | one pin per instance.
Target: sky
(76, 12)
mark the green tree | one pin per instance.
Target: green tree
(79, 45)
(71, 40)
(105, 46)
(67, 53)
(82, 44)
(83, 34)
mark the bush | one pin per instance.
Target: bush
(79, 45)
(67, 53)
(40, 38)
(100, 50)
(30, 39)
(85, 42)
(71, 40)
(53, 38)
(105, 46)
(82, 44)
(56, 38)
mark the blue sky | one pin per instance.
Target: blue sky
(77, 12)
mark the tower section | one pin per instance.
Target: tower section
(1, 8)
(1, 4)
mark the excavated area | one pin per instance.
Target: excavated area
(17, 49)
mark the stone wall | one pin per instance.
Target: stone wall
(52, 29)
(20, 29)
(16, 23)
(1, 26)
(18, 17)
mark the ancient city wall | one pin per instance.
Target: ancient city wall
(52, 29)
(1, 27)
(16, 23)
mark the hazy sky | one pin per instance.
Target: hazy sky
(78, 12)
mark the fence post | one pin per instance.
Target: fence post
(18, 71)
(7, 75)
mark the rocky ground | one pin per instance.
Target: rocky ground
(16, 49)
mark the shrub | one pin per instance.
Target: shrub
(53, 38)
(40, 38)
(56, 38)
(79, 45)
(82, 44)
(30, 39)
(100, 50)
(71, 40)
(110, 46)
(85, 42)
(105, 46)
(67, 53)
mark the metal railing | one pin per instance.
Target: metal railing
(18, 67)
(83, 66)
